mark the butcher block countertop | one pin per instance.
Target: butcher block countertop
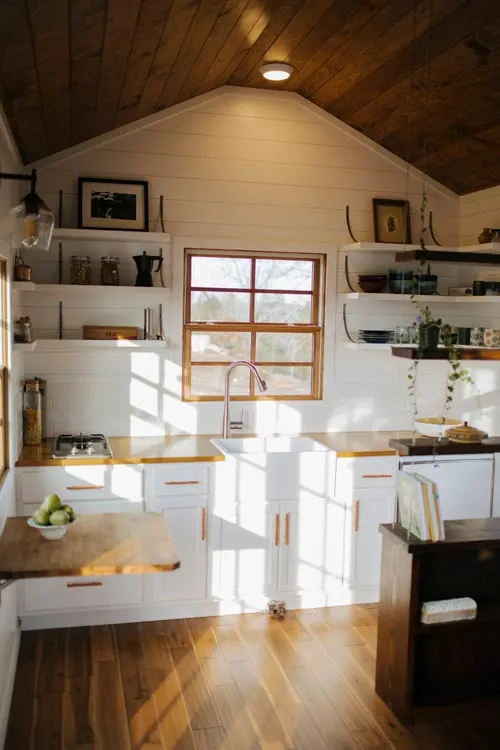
(96, 545)
(179, 448)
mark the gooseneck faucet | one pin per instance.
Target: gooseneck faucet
(226, 421)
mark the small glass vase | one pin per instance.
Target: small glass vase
(428, 337)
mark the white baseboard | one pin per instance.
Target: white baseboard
(7, 681)
(178, 610)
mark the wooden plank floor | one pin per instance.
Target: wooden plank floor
(239, 683)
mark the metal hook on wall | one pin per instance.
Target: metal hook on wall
(344, 320)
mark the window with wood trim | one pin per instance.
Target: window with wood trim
(4, 372)
(264, 308)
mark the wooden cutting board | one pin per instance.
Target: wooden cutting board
(109, 333)
(97, 544)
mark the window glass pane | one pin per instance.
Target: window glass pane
(284, 347)
(284, 274)
(209, 381)
(231, 273)
(283, 308)
(220, 306)
(287, 381)
(212, 347)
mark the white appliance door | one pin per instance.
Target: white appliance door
(465, 486)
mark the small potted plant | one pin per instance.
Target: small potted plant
(428, 329)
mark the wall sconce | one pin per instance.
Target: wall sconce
(34, 221)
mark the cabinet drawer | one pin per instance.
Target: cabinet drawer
(358, 473)
(55, 594)
(82, 483)
(180, 479)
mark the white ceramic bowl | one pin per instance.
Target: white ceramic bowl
(50, 532)
(434, 426)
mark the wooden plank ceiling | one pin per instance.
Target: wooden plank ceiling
(72, 69)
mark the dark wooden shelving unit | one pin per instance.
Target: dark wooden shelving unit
(448, 256)
(422, 665)
(407, 352)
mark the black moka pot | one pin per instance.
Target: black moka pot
(145, 265)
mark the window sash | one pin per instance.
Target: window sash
(253, 328)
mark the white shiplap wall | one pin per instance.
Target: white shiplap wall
(243, 169)
(478, 210)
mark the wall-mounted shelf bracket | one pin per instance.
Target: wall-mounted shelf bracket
(344, 320)
(348, 222)
(431, 230)
(346, 271)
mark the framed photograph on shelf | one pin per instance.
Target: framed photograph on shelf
(112, 204)
(392, 221)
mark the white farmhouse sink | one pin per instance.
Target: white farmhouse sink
(237, 446)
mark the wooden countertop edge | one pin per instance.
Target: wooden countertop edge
(116, 460)
(88, 572)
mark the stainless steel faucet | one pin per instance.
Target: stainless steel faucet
(226, 421)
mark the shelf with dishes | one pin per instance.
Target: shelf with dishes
(111, 235)
(487, 254)
(419, 298)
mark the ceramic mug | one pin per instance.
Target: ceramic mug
(477, 336)
(492, 337)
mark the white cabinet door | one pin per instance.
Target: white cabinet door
(311, 553)
(363, 544)
(246, 551)
(187, 523)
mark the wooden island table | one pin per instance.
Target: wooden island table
(96, 545)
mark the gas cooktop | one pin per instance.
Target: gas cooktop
(82, 446)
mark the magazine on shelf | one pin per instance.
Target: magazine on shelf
(411, 506)
(431, 495)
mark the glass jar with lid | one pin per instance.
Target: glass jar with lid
(32, 413)
(81, 269)
(110, 270)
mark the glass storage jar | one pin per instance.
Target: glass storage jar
(81, 269)
(32, 413)
(110, 270)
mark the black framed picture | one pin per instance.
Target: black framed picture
(112, 204)
(391, 220)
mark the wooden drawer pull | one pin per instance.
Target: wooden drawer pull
(83, 585)
(78, 487)
(287, 528)
(277, 529)
(376, 476)
(203, 524)
(355, 516)
(176, 484)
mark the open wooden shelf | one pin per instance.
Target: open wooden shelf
(30, 286)
(111, 235)
(410, 251)
(76, 345)
(471, 352)
(434, 298)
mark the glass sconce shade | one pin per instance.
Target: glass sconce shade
(33, 223)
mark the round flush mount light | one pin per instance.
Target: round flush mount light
(276, 71)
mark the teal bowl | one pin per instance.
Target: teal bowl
(402, 286)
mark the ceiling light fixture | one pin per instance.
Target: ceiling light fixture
(34, 221)
(276, 71)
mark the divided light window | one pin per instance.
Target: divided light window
(264, 308)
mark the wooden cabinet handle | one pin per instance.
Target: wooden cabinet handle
(277, 529)
(287, 528)
(203, 524)
(376, 476)
(177, 484)
(85, 487)
(355, 516)
(83, 585)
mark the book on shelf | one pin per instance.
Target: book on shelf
(419, 511)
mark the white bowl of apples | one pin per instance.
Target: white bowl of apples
(53, 518)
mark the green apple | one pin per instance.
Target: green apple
(70, 511)
(41, 517)
(52, 502)
(59, 518)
